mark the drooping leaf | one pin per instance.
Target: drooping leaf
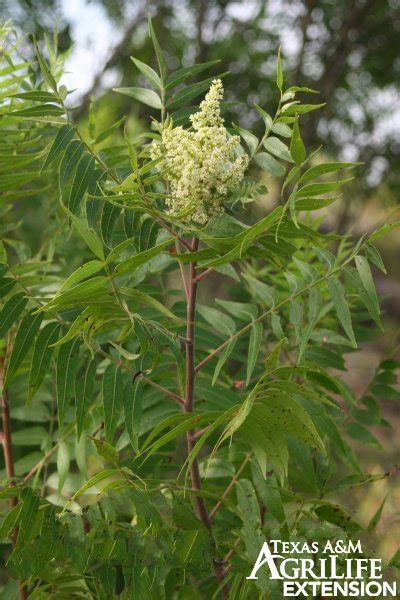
(342, 308)
(367, 281)
(87, 233)
(254, 348)
(81, 273)
(11, 311)
(113, 399)
(24, 338)
(63, 462)
(84, 388)
(67, 364)
(109, 217)
(60, 143)
(83, 174)
(133, 410)
(41, 357)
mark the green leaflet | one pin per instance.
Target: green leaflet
(63, 462)
(299, 109)
(36, 96)
(109, 131)
(144, 95)
(133, 410)
(87, 233)
(148, 72)
(26, 333)
(240, 310)
(276, 413)
(142, 257)
(11, 311)
(26, 517)
(324, 168)
(106, 451)
(113, 399)
(69, 161)
(84, 387)
(272, 359)
(342, 308)
(82, 293)
(148, 300)
(48, 77)
(315, 189)
(162, 65)
(314, 306)
(297, 148)
(109, 217)
(93, 481)
(61, 141)
(217, 319)
(41, 357)
(249, 511)
(282, 129)
(276, 147)
(223, 357)
(333, 513)
(279, 71)
(269, 164)
(377, 515)
(367, 281)
(180, 75)
(66, 368)
(309, 204)
(255, 340)
(250, 139)
(83, 174)
(44, 110)
(82, 272)
(190, 92)
(189, 421)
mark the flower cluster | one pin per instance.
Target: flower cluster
(199, 164)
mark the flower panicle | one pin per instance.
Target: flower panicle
(200, 164)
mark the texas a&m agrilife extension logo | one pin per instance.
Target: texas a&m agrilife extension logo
(328, 574)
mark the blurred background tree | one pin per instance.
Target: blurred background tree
(348, 51)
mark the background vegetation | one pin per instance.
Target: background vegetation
(349, 52)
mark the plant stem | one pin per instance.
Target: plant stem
(204, 274)
(8, 457)
(230, 487)
(189, 404)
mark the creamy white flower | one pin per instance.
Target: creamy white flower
(199, 164)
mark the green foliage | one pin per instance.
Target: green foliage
(115, 366)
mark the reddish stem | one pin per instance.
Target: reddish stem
(189, 404)
(204, 274)
(8, 457)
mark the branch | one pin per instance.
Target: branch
(274, 309)
(230, 487)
